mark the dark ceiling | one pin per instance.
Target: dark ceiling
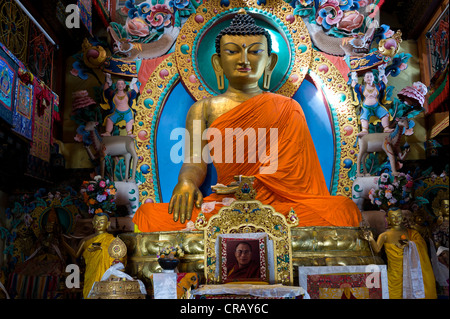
(44, 12)
(410, 16)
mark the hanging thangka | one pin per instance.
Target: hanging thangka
(103, 8)
(23, 111)
(85, 7)
(438, 45)
(42, 121)
(40, 55)
(14, 28)
(8, 74)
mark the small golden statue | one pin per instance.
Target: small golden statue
(402, 245)
(94, 250)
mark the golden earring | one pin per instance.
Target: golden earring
(220, 80)
(266, 79)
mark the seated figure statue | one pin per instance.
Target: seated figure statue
(287, 175)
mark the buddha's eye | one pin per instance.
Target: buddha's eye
(258, 51)
(228, 51)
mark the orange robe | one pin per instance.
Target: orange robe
(298, 181)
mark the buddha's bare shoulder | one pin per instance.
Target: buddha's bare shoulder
(209, 104)
(212, 100)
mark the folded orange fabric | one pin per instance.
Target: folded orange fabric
(297, 182)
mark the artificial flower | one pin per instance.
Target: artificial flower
(101, 198)
(160, 17)
(99, 195)
(171, 252)
(392, 191)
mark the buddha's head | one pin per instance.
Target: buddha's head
(101, 223)
(243, 53)
(395, 217)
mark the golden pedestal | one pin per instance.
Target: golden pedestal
(117, 289)
(311, 246)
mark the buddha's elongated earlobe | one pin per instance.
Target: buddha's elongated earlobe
(266, 79)
(215, 60)
(268, 70)
(220, 80)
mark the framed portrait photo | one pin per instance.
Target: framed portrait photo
(244, 258)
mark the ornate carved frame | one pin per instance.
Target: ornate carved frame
(247, 215)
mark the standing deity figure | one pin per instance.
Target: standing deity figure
(370, 96)
(120, 102)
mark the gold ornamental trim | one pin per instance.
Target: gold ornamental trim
(249, 216)
(151, 101)
(344, 120)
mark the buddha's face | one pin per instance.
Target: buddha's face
(395, 218)
(100, 223)
(243, 58)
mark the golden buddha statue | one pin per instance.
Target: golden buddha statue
(287, 175)
(395, 241)
(94, 250)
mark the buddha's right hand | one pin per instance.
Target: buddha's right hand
(184, 195)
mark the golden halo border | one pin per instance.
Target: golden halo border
(344, 120)
(211, 11)
(151, 101)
